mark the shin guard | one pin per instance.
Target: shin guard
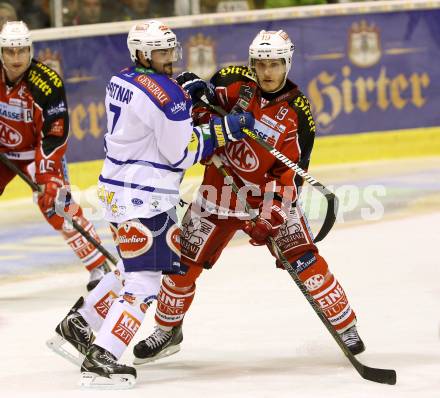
(98, 302)
(90, 256)
(172, 304)
(128, 311)
(313, 271)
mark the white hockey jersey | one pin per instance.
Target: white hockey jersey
(150, 142)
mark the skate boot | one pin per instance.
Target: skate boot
(159, 344)
(352, 341)
(100, 370)
(96, 274)
(75, 330)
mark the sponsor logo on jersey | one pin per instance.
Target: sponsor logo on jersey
(57, 128)
(53, 76)
(334, 301)
(273, 123)
(303, 104)
(314, 282)
(134, 239)
(104, 304)
(15, 113)
(129, 298)
(40, 82)
(137, 202)
(173, 239)
(57, 109)
(242, 156)
(304, 262)
(21, 92)
(155, 203)
(9, 137)
(237, 70)
(147, 302)
(126, 327)
(179, 107)
(266, 133)
(195, 233)
(153, 88)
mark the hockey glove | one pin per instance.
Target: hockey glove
(195, 86)
(50, 184)
(228, 128)
(267, 224)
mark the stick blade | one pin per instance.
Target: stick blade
(384, 376)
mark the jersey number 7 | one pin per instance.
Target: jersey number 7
(117, 111)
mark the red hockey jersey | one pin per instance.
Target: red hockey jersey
(282, 119)
(34, 121)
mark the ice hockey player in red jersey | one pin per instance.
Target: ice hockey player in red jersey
(283, 119)
(34, 126)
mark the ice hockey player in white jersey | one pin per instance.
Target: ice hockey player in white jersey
(149, 144)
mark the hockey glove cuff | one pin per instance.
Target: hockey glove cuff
(228, 128)
(272, 216)
(195, 86)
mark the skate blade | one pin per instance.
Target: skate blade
(165, 353)
(56, 345)
(113, 382)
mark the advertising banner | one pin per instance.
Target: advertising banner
(362, 73)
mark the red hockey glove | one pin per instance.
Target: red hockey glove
(50, 185)
(267, 223)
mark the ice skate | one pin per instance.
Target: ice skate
(158, 345)
(352, 340)
(101, 371)
(97, 274)
(75, 330)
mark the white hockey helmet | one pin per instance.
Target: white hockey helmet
(152, 35)
(271, 45)
(15, 34)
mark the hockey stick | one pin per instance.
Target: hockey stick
(59, 209)
(384, 376)
(332, 200)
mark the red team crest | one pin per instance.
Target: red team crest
(9, 137)
(242, 156)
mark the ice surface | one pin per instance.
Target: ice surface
(250, 333)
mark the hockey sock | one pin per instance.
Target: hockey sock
(100, 299)
(128, 311)
(172, 304)
(313, 271)
(90, 256)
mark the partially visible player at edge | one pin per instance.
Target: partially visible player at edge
(34, 125)
(150, 143)
(283, 118)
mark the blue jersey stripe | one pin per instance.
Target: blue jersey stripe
(145, 163)
(136, 186)
(185, 154)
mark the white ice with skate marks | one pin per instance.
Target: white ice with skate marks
(250, 333)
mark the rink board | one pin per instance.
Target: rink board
(328, 150)
(365, 67)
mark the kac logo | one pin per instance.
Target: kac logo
(242, 156)
(9, 137)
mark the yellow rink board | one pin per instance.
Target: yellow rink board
(327, 150)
